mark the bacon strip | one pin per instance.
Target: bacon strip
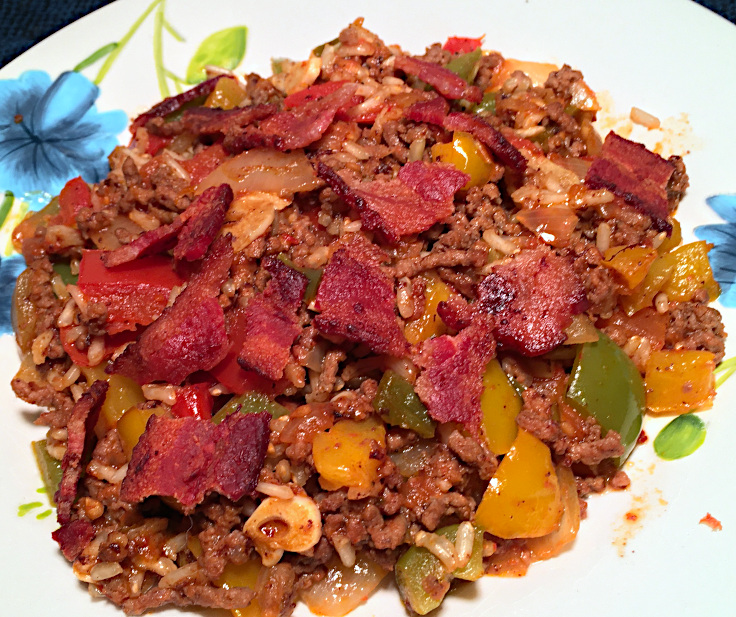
(271, 322)
(356, 301)
(74, 537)
(433, 111)
(80, 428)
(447, 83)
(213, 121)
(534, 296)
(451, 381)
(421, 196)
(148, 243)
(190, 335)
(635, 174)
(479, 128)
(204, 218)
(175, 103)
(297, 127)
(186, 458)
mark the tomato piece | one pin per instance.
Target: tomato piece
(312, 93)
(135, 293)
(462, 44)
(204, 163)
(75, 195)
(193, 401)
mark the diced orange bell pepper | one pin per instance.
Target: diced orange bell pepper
(536, 71)
(346, 454)
(467, 155)
(674, 239)
(632, 262)
(523, 499)
(679, 381)
(429, 324)
(500, 405)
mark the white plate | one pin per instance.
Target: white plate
(666, 56)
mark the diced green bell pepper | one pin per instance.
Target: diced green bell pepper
(487, 104)
(606, 384)
(466, 65)
(401, 406)
(250, 402)
(64, 270)
(314, 276)
(417, 564)
(49, 467)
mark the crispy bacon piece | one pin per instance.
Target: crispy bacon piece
(447, 83)
(203, 220)
(271, 325)
(433, 111)
(190, 335)
(212, 121)
(637, 175)
(451, 381)
(534, 296)
(356, 301)
(296, 127)
(421, 196)
(80, 433)
(148, 243)
(175, 103)
(186, 458)
(190, 233)
(73, 537)
(480, 129)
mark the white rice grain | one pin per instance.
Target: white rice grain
(603, 237)
(96, 351)
(280, 491)
(439, 546)
(66, 317)
(645, 119)
(105, 570)
(165, 394)
(661, 303)
(172, 579)
(464, 543)
(345, 550)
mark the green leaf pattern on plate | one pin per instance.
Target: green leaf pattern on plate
(225, 49)
(680, 438)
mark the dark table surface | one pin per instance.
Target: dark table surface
(24, 23)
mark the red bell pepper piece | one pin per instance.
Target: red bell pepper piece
(81, 358)
(134, 293)
(193, 401)
(204, 162)
(73, 197)
(461, 44)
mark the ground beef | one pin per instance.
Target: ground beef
(695, 326)
(276, 595)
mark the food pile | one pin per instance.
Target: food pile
(374, 314)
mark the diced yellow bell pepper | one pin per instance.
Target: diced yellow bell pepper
(632, 262)
(659, 273)
(467, 156)
(429, 324)
(500, 405)
(242, 575)
(132, 425)
(692, 272)
(345, 455)
(674, 239)
(228, 94)
(679, 381)
(523, 499)
(122, 394)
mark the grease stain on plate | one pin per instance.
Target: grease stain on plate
(673, 136)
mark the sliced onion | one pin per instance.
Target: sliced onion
(553, 224)
(553, 543)
(271, 171)
(107, 238)
(250, 216)
(344, 588)
(412, 458)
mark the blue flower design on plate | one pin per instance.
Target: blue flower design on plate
(723, 237)
(51, 132)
